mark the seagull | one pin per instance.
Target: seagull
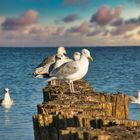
(76, 56)
(73, 70)
(7, 102)
(134, 99)
(48, 64)
(60, 60)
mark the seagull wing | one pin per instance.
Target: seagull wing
(65, 69)
(132, 98)
(47, 61)
(45, 66)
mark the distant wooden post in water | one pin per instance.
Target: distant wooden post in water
(84, 115)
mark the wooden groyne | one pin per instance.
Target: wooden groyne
(84, 115)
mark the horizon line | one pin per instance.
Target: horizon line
(34, 46)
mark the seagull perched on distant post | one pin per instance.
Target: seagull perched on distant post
(7, 102)
(73, 70)
(134, 99)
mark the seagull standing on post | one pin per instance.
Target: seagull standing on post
(74, 70)
(48, 64)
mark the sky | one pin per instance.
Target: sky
(69, 23)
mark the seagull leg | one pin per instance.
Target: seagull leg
(72, 87)
(59, 82)
(51, 82)
(54, 82)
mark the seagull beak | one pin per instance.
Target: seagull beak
(90, 58)
(65, 52)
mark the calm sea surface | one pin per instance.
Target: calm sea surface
(113, 70)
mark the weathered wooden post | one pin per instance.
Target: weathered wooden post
(84, 115)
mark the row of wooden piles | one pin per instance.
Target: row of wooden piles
(83, 115)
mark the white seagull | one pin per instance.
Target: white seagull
(7, 102)
(134, 99)
(76, 56)
(73, 70)
(47, 65)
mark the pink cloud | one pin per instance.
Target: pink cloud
(60, 31)
(83, 28)
(2, 19)
(105, 15)
(25, 30)
(38, 29)
(95, 32)
(122, 29)
(28, 18)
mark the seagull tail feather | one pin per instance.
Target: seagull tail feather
(50, 79)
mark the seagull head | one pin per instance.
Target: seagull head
(59, 57)
(86, 53)
(61, 50)
(76, 56)
(6, 90)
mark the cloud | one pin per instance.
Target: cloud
(124, 26)
(82, 29)
(70, 18)
(116, 25)
(2, 19)
(106, 15)
(26, 30)
(60, 31)
(128, 36)
(95, 32)
(38, 29)
(118, 22)
(28, 18)
(133, 21)
(121, 30)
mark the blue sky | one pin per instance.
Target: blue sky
(69, 22)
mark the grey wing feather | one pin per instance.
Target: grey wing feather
(51, 67)
(132, 98)
(46, 66)
(65, 69)
(47, 61)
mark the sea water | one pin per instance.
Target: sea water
(114, 69)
